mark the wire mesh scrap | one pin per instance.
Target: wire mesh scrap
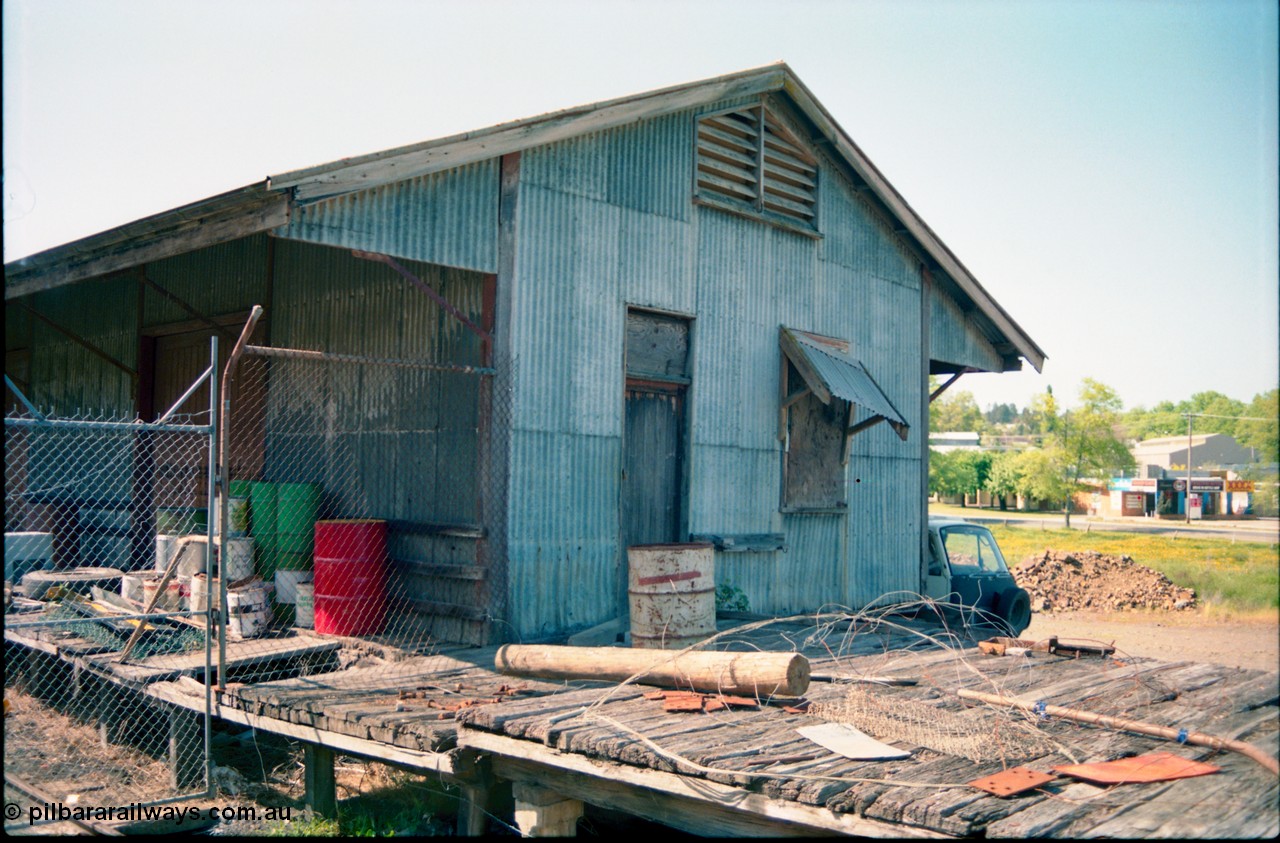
(976, 734)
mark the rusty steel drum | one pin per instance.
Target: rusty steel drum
(671, 591)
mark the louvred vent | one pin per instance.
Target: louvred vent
(749, 160)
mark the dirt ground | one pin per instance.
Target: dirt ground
(1170, 636)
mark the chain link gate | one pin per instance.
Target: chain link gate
(97, 510)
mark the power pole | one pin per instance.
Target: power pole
(1187, 505)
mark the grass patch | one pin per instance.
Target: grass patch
(308, 824)
(385, 802)
(1239, 579)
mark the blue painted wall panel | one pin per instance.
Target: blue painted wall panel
(564, 569)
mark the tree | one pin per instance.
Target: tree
(958, 412)
(1001, 414)
(1041, 475)
(958, 472)
(950, 473)
(1263, 436)
(1081, 444)
(1005, 477)
(1042, 413)
(1215, 413)
(1161, 420)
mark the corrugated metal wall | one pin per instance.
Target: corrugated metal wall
(953, 336)
(227, 278)
(607, 221)
(67, 378)
(414, 431)
(446, 218)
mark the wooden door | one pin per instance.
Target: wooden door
(653, 463)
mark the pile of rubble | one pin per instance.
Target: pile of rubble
(1060, 581)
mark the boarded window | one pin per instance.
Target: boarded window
(821, 386)
(749, 162)
(814, 472)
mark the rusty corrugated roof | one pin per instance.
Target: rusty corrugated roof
(843, 375)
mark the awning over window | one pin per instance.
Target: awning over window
(829, 371)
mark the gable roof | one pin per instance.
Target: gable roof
(265, 205)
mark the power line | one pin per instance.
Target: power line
(1212, 416)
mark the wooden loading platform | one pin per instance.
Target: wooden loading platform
(745, 770)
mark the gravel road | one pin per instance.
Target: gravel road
(1170, 636)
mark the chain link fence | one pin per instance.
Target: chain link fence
(349, 527)
(367, 500)
(94, 506)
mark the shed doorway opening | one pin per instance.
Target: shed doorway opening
(657, 383)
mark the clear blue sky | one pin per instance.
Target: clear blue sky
(1108, 170)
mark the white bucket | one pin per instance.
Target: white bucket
(305, 615)
(238, 560)
(170, 599)
(237, 519)
(248, 611)
(131, 586)
(26, 552)
(200, 590)
(287, 584)
(192, 553)
(165, 546)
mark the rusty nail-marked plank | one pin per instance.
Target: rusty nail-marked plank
(1011, 781)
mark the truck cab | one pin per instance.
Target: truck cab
(967, 570)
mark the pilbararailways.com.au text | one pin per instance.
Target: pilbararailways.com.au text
(136, 812)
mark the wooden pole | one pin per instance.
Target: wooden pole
(179, 545)
(1119, 723)
(745, 674)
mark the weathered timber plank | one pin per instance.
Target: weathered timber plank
(911, 804)
(1071, 682)
(1046, 818)
(698, 807)
(604, 740)
(977, 815)
(706, 749)
(704, 729)
(857, 798)
(501, 716)
(1190, 808)
(1256, 690)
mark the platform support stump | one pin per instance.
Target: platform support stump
(186, 749)
(545, 813)
(475, 780)
(322, 791)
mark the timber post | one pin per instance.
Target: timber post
(321, 787)
(186, 748)
(474, 776)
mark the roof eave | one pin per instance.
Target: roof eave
(217, 219)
